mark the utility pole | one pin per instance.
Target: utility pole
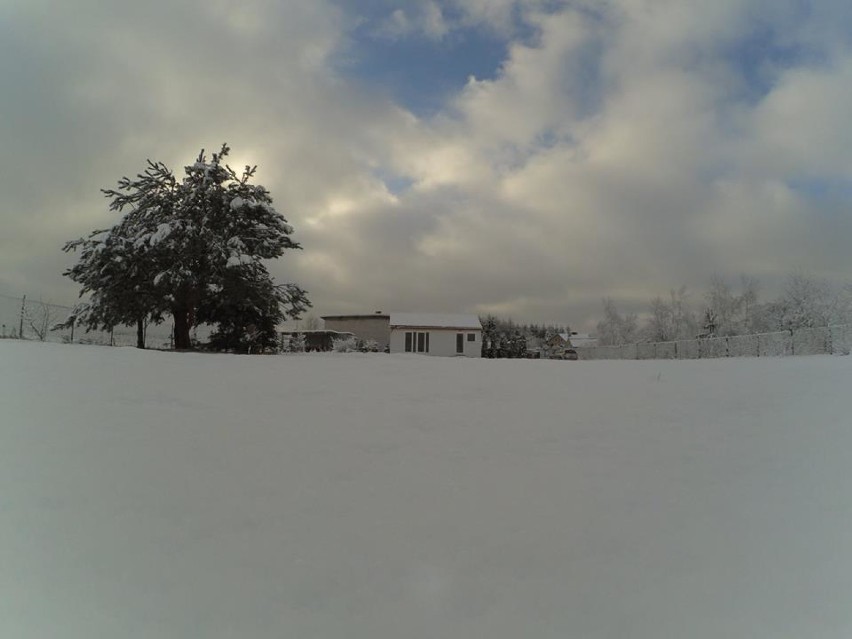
(21, 326)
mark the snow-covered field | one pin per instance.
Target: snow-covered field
(160, 495)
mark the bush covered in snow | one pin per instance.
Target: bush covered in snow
(345, 345)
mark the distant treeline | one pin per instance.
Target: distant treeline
(724, 310)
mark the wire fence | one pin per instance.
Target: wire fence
(36, 319)
(823, 340)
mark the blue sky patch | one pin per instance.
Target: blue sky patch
(823, 188)
(419, 72)
(396, 184)
(763, 54)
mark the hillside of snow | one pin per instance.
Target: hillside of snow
(155, 494)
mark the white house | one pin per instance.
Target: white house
(436, 334)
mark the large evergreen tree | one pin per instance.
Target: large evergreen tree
(192, 248)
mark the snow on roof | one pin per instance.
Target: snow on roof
(434, 320)
(376, 315)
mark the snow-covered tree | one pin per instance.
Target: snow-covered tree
(490, 336)
(311, 323)
(368, 346)
(749, 303)
(616, 329)
(671, 320)
(806, 302)
(193, 248)
(518, 345)
(118, 277)
(731, 313)
(344, 345)
(722, 315)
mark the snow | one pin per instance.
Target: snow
(238, 260)
(162, 232)
(147, 494)
(434, 320)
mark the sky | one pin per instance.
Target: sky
(519, 157)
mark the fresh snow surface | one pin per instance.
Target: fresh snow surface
(152, 494)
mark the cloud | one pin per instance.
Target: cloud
(620, 149)
(421, 18)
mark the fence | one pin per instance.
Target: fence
(824, 340)
(27, 318)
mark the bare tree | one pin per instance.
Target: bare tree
(41, 318)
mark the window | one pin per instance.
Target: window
(416, 342)
(471, 337)
(460, 343)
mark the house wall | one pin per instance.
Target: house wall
(442, 342)
(376, 328)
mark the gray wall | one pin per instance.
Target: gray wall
(375, 328)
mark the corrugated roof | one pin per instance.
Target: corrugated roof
(434, 320)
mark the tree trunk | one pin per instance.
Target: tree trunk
(140, 333)
(182, 326)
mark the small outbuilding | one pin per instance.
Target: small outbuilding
(436, 334)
